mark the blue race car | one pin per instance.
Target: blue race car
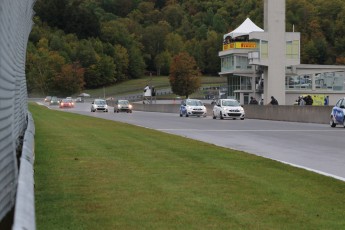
(192, 107)
(338, 113)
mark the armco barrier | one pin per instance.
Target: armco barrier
(24, 213)
(15, 26)
(308, 114)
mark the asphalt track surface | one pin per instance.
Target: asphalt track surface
(315, 147)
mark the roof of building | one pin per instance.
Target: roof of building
(244, 29)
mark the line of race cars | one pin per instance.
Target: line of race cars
(230, 108)
(119, 106)
(223, 108)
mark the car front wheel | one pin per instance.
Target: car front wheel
(221, 116)
(344, 122)
(332, 123)
(214, 116)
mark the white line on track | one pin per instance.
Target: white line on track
(313, 170)
(253, 130)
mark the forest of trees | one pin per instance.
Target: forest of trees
(77, 44)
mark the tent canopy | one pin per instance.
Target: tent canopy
(84, 95)
(244, 29)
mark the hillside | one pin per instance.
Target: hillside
(88, 44)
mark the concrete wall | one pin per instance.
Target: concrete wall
(308, 114)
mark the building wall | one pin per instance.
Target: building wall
(274, 25)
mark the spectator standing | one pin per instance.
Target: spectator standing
(261, 101)
(326, 101)
(308, 100)
(273, 101)
(301, 101)
(253, 101)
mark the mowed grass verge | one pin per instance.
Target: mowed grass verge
(97, 174)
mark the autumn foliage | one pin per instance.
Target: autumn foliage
(184, 75)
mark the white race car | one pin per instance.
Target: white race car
(99, 105)
(228, 108)
(192, 107)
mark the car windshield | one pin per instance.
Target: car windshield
(230, 103)
(194, 103)
(100, 102)
(123, 102)
(65, 100)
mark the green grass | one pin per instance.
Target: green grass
(96, 174)
(137, 85)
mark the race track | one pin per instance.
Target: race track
(315, 147)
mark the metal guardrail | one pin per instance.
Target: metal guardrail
(15, 26)
(24, 215)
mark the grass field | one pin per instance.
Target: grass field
(137, 85)
(97, 174)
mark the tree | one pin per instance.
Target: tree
(162, 63)
(121, 60)
(194, 48)
(86, 54)
(81, 21)
(136, 62)
(70, 80)
(101, 74)
(184, 75)
(173, 43)
(119, 7)
(211, 48)
(52, 12)
(173, 14)
(153, 39)
(42, 66)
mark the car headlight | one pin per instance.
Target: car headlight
(241, 109)
(119, 106)
(130, 106)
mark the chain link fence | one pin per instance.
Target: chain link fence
(15, 26)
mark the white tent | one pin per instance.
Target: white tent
(84, 95)
(244, 29)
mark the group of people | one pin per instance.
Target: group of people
(306, 100)
(302, 100)
(253, 101)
